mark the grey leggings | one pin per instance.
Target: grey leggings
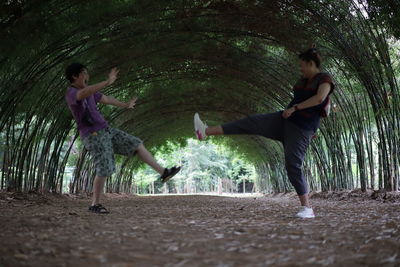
(295, 141)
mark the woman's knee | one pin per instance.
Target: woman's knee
(140, 146)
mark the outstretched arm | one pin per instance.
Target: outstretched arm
(109, 100)
(92, 89)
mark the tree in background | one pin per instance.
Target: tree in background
(206, 167)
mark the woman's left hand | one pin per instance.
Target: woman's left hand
(288, 112)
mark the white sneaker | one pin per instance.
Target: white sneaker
(199, 127)
(305, 212)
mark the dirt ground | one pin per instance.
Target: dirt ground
(37, 230)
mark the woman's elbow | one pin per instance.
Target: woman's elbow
(321, 99)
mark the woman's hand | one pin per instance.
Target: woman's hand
(288, 112)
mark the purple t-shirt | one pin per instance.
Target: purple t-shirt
(78, 107)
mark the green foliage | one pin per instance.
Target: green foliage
(203, 165)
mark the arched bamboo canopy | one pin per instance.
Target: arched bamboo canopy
(224, 59)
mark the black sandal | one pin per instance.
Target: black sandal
(98, 208)
(169, 173)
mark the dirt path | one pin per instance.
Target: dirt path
(197, 231)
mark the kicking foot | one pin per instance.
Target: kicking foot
(199, 127)
(306, 212)
(98, 208)
(169, 173)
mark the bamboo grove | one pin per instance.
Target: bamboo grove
(224, 59)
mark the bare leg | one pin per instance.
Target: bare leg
(304, 200)
(147, 158)
(214, 130)
(98, 186)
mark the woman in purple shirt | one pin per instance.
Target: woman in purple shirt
(99, 139)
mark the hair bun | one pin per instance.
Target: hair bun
(311, 54)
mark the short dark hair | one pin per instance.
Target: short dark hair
(311, 55)
(73, 70)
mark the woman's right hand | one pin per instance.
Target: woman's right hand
(288, 112)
